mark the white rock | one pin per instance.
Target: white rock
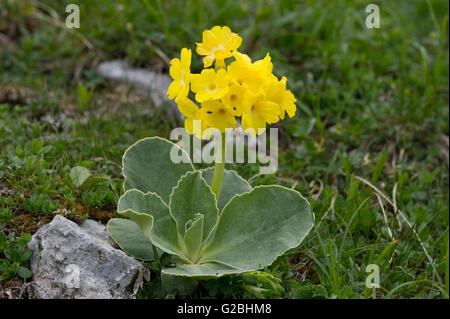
(98, 230)
(156, 83)
(79, 262)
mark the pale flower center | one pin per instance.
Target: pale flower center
(218, 47)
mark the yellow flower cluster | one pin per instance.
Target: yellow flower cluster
(243, 88)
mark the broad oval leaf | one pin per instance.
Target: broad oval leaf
(232, 184)
(152, 216)
(130, 238)
(147, 166)
(190, 197)
(201, 271)
(255, 228)
(193, 237)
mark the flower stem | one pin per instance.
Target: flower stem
(219, 168)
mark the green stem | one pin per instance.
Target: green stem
(219, 168)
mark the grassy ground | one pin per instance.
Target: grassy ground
(368, 146)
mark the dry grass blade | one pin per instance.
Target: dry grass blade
(158, 51)
(444, 144)
(398, 211)
(394, 199)
(251, 179)
(55, 19)
(330, 209)
(391, 237)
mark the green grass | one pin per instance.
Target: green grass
(372, 109)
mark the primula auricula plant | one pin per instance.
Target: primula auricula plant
(210, 222)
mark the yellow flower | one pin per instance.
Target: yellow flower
(187, 107)
(181, 75)
(264, 68)
(195, 126)
(287, 100)
(192, 113)
(265, 65)
(235, 99)
(243, 88)
(216, 115)
(252, 75)
(242, 59)
(277, 93)
(257, 112)
(238, 70)
(209, 84)
(217, 45)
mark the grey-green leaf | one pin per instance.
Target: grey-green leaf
(191, 196)
(130, 238)
(193, 237)
(201, 271)
(255, 228)
(147, 166)
(152, 216)
(79, 174)
(232, 184)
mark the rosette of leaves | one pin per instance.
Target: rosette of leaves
(171, 206)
